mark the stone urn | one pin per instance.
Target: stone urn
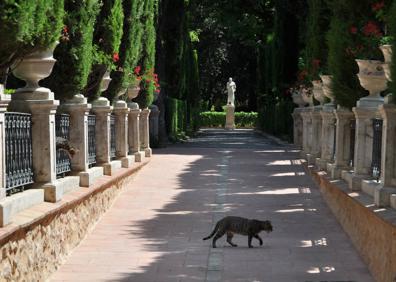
(318, 91)
(326, 80)
(33, 68)
(105, 81)
(133, 91)
(387, 52)
(306, 94)
(298, 99)
(372, 78)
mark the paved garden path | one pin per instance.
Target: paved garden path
(154, 230)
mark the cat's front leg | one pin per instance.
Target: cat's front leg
(250, 241)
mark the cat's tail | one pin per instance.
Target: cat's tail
(213, 232)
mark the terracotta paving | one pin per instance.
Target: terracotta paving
(154, 231)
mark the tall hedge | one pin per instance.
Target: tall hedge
(130, 46)
(146, 95)
(26, 26)
(342, 65)
(392, 30)
(106, 43)
(74, 52)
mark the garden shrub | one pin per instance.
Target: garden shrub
(392, 31)
(74, 52)
(218, 119)
(106, 43)
(26, 26)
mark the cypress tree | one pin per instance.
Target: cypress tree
(392, 30)
(106, 41)
(74, 54)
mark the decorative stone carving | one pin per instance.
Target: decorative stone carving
(318, 91)
(387, 52)
(298, 99)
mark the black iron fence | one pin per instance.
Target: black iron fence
(377, 146)
(19, 157)
(91, 140)
(334, 139)
(352, 127)
(63, 148)
(112, 137)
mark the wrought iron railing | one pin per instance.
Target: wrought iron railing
(112, 137)
(352, 127)
(377, 146)
(63, 148)
(334, 139)
(18, 154)
(91, 140)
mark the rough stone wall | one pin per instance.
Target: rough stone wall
(36, 256)
(373, 237)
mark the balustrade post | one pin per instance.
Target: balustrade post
(342, 152)
(4, 101)
(297, 127)
(306, 132)
(144, 132)
(102, 110)
(121, 112)
(315, 134)
(383, 194)
(134, 131)
(327, 138)
(153, 124)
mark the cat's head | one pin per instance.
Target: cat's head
(266, 226)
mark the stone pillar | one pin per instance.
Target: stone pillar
(327, 137)
(121, 112)
(315, 136)
(382, 193)
(4, 101)
(144, 132)
(78, 109)
(343, 139)
(134, 131)
(102, 109)
(154, 119)
(230, 117)
(297, 127)
(306, 131)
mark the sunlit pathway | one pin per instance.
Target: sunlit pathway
(154, 230)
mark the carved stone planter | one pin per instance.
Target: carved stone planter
(387, 52)
(133, 92)
(105, 81)
(34, 68)
(372, 78)
(327, 80)
(298, 99)
(307, 96)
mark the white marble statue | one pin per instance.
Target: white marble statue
(231, 88)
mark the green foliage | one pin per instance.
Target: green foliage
(175, 117)
(26, 26)
(106, 40)
(74, 55)
(342, 65)
(146, 94)
(392, 31)
(218, 119)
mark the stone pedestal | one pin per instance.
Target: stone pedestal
(306, 132)
(121, 112)
(42, 106)
(78, 109)
(363, 144)
(297, 127)
(383, 193)
(327, 137)
(144, 133)
(102, 109)
(4, 101)
(154, 120)
(134, 132)
(343, 139)
(315, 136)
(230, 117)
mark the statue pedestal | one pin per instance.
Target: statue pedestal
(230, 117)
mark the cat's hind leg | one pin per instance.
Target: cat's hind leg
(250, 241)
(229, 239)
(258, 238)
(218, 235)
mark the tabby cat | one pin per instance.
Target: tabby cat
(239, 225)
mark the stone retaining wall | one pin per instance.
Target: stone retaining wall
(373, 235)
(33, 252)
